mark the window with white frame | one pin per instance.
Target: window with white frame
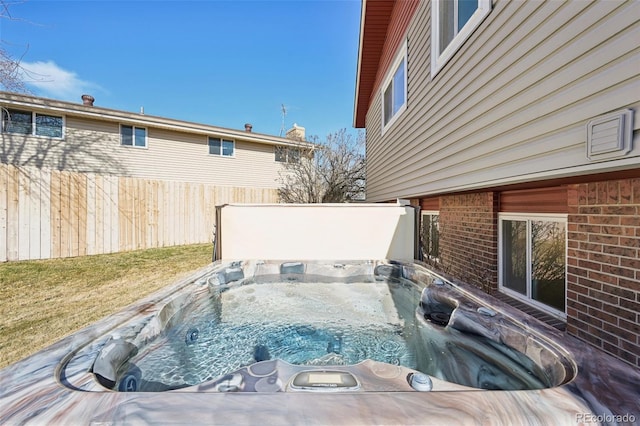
(133, 136)
(532, 259)
(394, 89)
(221, 147)
(452, 22)
(32, 123)
(430, 235)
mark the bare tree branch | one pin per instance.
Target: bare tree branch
(332, 172)
(11, 72)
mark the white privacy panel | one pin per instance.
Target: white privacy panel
(316, 231)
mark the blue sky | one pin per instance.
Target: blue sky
(223, 63)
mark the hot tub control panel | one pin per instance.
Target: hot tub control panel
(324, 380)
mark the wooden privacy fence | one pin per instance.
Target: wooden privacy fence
(51, 213)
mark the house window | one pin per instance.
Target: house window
(394, 90)
(533, 260)
(133, 136)
(48, 125)
(221, 147)
(430, 235)
(453, 21)
(287, 155)
(31, 123)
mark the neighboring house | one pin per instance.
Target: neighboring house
(78, 179)
(514, 125)
(80, 137)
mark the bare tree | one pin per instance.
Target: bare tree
(332, 171)
(11, 72)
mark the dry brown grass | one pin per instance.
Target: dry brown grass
(42, 301)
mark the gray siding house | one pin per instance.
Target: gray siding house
(514, 125)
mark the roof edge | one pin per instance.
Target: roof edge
(374, 22)
(106, 114)
(358, 67)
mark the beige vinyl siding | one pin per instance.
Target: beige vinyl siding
(92, 146)
(513, 103)
(87, 148)
(186, 157)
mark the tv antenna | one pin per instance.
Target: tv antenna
(284, 114)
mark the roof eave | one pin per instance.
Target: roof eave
(356, 122)
(374, 21)
(106, 114)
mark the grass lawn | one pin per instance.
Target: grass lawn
(42, 301)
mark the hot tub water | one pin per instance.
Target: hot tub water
(300, 323)
(324, 323)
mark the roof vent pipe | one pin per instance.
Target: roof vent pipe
(248, 127)
(87, 100)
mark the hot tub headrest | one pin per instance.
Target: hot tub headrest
(114, 353)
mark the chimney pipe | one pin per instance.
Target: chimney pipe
(87, 100)
(248, 127)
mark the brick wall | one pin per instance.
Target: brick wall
(469, 238)
(603, 269)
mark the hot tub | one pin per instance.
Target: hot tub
(328, 322)
(336, 342)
